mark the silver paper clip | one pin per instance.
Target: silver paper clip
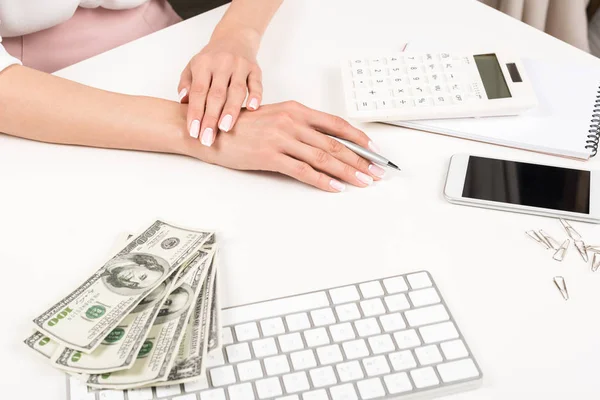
(573, 234)
(535, 236)
(560, 283)
(560, 254)
(595, 262)
(581, 248)
(550, 241)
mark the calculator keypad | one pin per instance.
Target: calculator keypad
(400, 81)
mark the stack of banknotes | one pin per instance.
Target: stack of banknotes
(148, 317)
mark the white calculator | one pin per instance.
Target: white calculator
(412, 86)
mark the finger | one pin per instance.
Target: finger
(214, 105)
(303, 172)
(197, 100)
(336, 126)
(185, 81)
(255, 89)
(339, 151)
(236, 94)
(323, 161)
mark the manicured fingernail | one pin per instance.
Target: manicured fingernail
(373, 147)
(376, 170)
(253, 104)
(195, 129)
(339, 186)
(207, 138)
(366, 179)
(182, 94)
(226, 123)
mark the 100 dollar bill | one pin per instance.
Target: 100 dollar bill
(83, 319)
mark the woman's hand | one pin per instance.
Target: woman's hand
(215, 83)
(289, 138)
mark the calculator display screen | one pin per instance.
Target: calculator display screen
(492, 76)
(528, 184)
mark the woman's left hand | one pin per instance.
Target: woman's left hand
(215, 83)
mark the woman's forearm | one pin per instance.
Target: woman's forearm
(42, 107)
(247, 17)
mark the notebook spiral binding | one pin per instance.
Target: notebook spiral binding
(593, 138)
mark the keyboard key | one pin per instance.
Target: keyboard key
(402, 360)
(296, 382)
(316, 337)
(344, 294)
(247, 331)
(322, 376)
(423, 101)
(358, 62)
(372, 307)
(349, 371)
(343, 392)
(264, 347)
(376, 366)
(413, 58)
(417, 80)
(407, 339)
(441, 100)
(291, 342)
(458, 98)
(395, 285)
(170, 390)
(360, 72)
(132, 394)
(329, 354)
(215, 358)
(249, 370)
(361, 83)
(428, 355)
(404, 103)
(243, 391)
(397, 383)
(365, 105)
(397, 302)
(384, 104)
(272, 326)
(396, 70)
(342, 332)
(355, 349)
(269, 387)
(424, 377)
(320, 394)
(276, 365)
(458, 370)
(454, 349)
(381, 83)
(426, 315)
(222, 376)
(347, 312)
(438, 332)
(367, 327)
(297, 322)
(381, 344)
(322, 317)
(424, 297)
(399, 81)
(196, 386)
(392, 322)
(414, 69)
(370, 388)
(303, 360)
(227, 336)
(111, 395)
(238, 352)
(274, 308)
(378, 72)
(213, 394)
(371, 289)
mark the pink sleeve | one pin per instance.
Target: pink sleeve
(5, 58)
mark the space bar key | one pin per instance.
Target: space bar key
(273, 308)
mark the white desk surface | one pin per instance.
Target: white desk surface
(61, 207)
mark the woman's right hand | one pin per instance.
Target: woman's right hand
(290, 138)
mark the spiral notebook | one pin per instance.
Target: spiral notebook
(565, 123)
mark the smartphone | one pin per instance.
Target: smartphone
(523, 187)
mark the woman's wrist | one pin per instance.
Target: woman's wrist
(247, 36)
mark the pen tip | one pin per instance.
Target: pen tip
(391, 164)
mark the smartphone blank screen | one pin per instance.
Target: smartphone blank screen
(528, 184)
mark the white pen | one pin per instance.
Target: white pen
(369, 155)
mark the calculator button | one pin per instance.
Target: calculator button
(429, 57)
(394, 60)
(413, 59)
(379, 71)
(368, 94)
(445, 56)
(441, 100)
(458, 99)
(401, 103)
(360, 72)
(380, 83)
(451, 77)
(361, 84)
(448, 66)
(439, 89)
(396, 70)
(413, 69)
(436, 78)
(399, 81)
(417, 80)
(420, 90)
(384, 104)
(431, 68)
(455, 88)
(365, 105)
(358, 62)
(423, 101)
(376, 62)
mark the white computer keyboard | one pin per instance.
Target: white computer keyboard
(381, 339)
(414, 86)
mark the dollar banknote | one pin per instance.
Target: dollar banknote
(189, 364)
(82, 320)
(214, 336)
(42, 344)
(158, 353)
